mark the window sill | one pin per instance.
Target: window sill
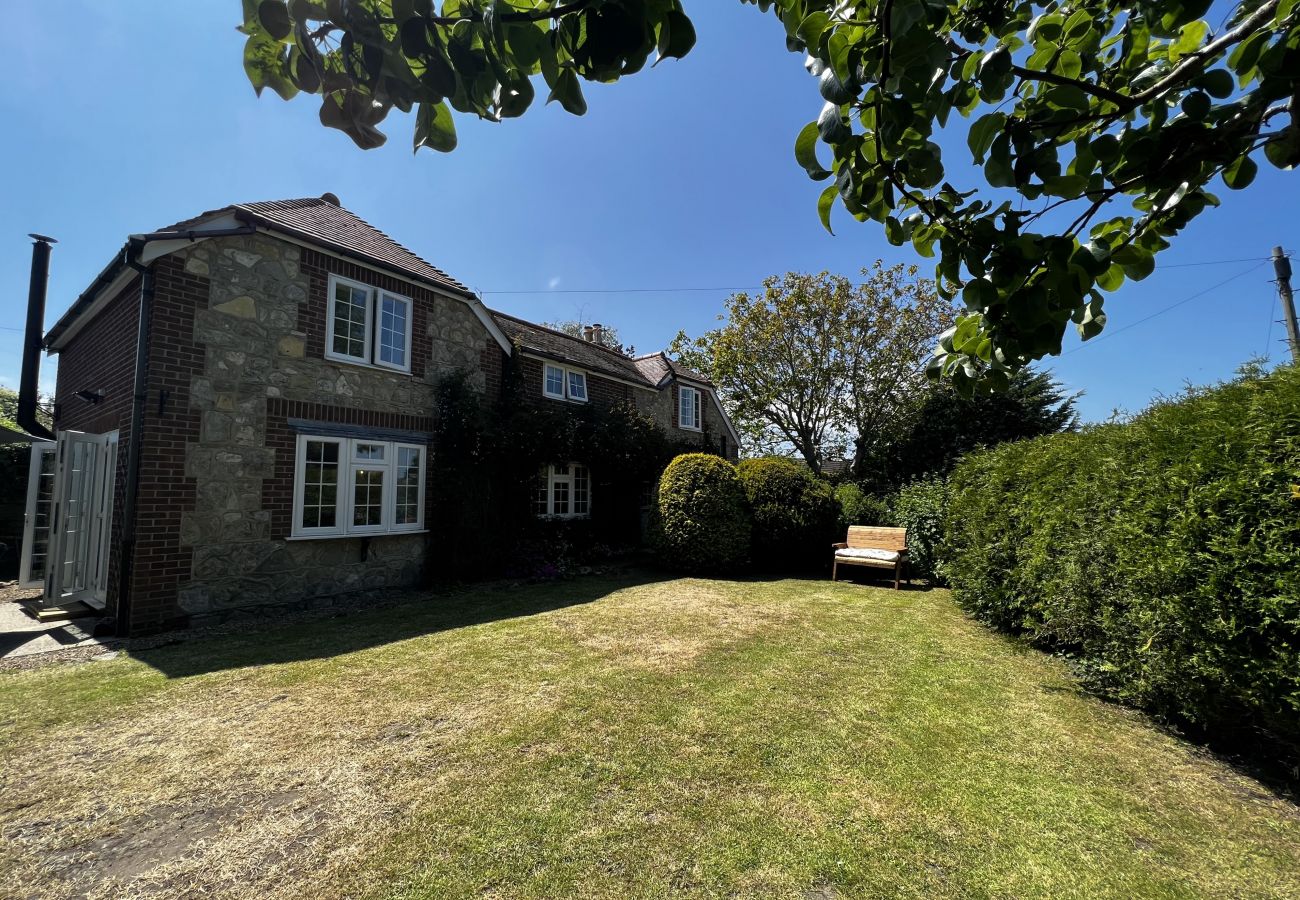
(689, 428)
(361, 364)
(565, 399)
(582, 517)
(336, 537)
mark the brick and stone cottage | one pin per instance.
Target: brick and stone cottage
(245, 407)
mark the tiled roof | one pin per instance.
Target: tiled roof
(557, 344)
(320, 220)
(657, 366)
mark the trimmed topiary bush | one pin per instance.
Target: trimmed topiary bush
(860, 508)
(795, 515)
(920, 508)
(700, 520)
(1162, 554)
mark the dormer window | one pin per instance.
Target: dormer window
(560, 383)
(368, 326)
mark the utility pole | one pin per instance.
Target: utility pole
(1282, 267)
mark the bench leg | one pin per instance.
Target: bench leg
(835, 570)
(898, 574)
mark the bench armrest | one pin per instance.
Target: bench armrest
(839, 546)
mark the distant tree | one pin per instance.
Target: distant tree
(816, 358)
(9, 410)
(608, 335)
(944, 426)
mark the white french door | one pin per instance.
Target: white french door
(36, 523)
(80, 518)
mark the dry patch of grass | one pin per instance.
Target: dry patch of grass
(606, 739)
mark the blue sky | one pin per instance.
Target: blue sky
(126, 117)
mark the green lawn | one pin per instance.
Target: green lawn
(620, 739)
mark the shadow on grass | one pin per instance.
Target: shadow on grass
(346, 630)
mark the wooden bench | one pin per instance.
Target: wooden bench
(878, 547)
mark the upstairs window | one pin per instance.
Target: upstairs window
(563, 492)
(560, 383)
(688, 408)
(346, 486)
(368, 326)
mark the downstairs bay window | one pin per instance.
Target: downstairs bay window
(563, 492)
(354, 486)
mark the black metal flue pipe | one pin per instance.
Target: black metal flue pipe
(34, 339)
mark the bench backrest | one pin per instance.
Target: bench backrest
(877, 537)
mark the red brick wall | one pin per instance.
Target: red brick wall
(603, 392)
(277, 492)
(102, 358)
(162, 564)
(312, 319)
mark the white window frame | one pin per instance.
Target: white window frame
(374, 298)
(566, 376)
(348, 464)
(696, 421)
(570, 479)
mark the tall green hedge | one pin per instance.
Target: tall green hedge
(700, 521)
(795, 514)
(1163, 553)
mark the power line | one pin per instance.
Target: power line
(678, 290)
(1161, 312)
(685, 290)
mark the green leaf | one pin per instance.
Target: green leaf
(824, 204)
(1240, 173)
(1196, 105)
(1190, 38)
(273, 16)
(434, 128)
(982, 134)
(998, 169)
(805, 152)
(811, 28)
(680, 36)
(1111, 279)
(1217, 83)
(568, 92)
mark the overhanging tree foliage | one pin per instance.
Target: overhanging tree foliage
(1112, 118)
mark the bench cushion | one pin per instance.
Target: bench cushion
(867, 553)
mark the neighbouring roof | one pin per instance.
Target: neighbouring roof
(658, 366)
(558, 345)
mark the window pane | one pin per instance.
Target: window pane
(368, 497)
(392, 331)
(555, 381)
(560, 489)
(370, 451)
(578, 385)
(350, 320)
(408, 486)
(320, 478)
(581, 491)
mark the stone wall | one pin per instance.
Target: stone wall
(662, 407)
(262, 337)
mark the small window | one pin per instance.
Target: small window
(688, 408)
(578, 386)
(563, 492)
(357, 487)
(368, 326)
(555, 382)
(560, 383)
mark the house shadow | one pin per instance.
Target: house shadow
(264, 640)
